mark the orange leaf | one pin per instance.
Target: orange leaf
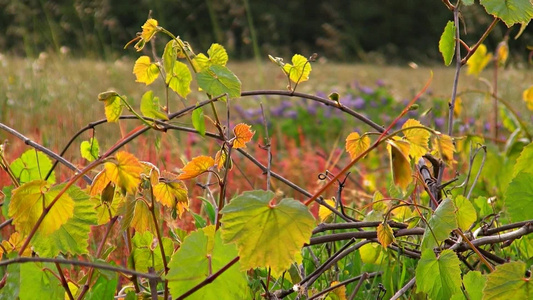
(243, 135)
(125, 172)
(340, 292)
(355, 144)
(385, 235)
(220, 159)
(100, 181)
(324, 212)
(196, 166)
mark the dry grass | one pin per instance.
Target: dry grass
(51, 98)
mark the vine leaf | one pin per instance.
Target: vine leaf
(90, 149)
(466, 213)
(441, 223)
(27, 205)
(32, 165)
(324, 212)
(400, 166)
(385, 235)
(338, 293)
(220, 159)
(13, 244)
(150, 107)
(443, 147)
(527, 96)
(141, 217)
(474, 282)
(518, 198)
(113, 105)
(508, 277)
(198, 120)
(372, 253)
(439, 277)
(289, 223)
(179, 79)
(510, 11)
(243, 135)
(149, 29)
(35, 283)
(125, 171)
(355, 144)
(299, 70)
(100, 182)
(217, 56)
(524, 163)
(172, 193)
(447, 43)
(147, 254)
(103, 288)
(202, 254)
(479, 60)
(418, 138)
(196, 166)
(218, 80)
(107, 205)
(145, 71)
(71, 237)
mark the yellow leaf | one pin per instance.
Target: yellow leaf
(113, 108)
(527, 96)
(400, 167)
(385, 235)
(150, 171)
(142, 217)
(145, 71)
(220, 160)
(217, 56)
(338, 293)
(372, 254)
(324, 212)
(106, 210)
(14, 244)
(502, 52)
(125, 172)
(355, 145)
(27, 205)
(243, 135)
(417, 137)
(458, 108)
(73, 290)
(172, 193)
(402, 213)
(479, 60)
(150, 28)
(299, 70)
(196, 166)
(443, 145)
(377, 203)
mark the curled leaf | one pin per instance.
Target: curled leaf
(400, 167)
(299, 70)
(385, 235)
(196, 166)
(125, 171)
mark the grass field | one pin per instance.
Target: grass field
(50, 99)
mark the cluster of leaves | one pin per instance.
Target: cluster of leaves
(259, 243)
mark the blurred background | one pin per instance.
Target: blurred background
(387, 31)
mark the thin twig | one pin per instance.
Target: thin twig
(267, 147)
(404, 289)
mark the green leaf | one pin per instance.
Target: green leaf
(38, 284)
(179, 79)
(467, 2)
(32, 165)
(90, 149)
(438, 277)
(150, 107)
(27, 205)
(518, 198)
(113, 109)
(209, 210)
(482, 206)
(466, 213)
(473, 282)
(299, 70)
(146, 252)
(103, 288)
(508, 278)
(441, 223)
(447, 43)
(217, 80)
(524, 163)
(198, 120)
(12, 287)
(170, 56)
(259, 228)
(71, 237)
(199, 221)
(510, 11)
(201, 254)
